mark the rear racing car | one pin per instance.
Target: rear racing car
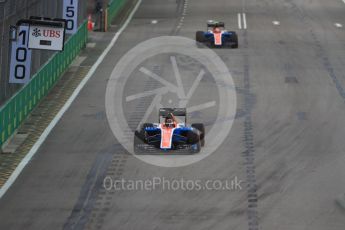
(169, 136)
(217, 36)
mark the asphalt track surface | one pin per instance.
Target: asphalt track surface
(286, 143)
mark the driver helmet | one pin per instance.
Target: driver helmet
(169, 122)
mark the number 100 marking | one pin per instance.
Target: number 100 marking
(21, 55)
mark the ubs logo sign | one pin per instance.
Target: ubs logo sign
(36, 33)
(47, 33)
(50, 36)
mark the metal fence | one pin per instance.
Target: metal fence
(48, 66)
(24, 101)
(113, 9)
(10, 12)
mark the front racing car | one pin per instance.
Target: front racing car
(169, 136)
(217, 36)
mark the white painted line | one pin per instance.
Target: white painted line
(239, 21)
(154, 22)
(69, 102)
(244, 21)
(338, 24)
(343, 1)
(277, 23)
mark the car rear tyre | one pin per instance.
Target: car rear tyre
(200, 36)
(201, 128)
(234, 40)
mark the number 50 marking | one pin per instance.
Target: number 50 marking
(70, 14)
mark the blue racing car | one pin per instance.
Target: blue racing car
(217, 36)
(169, 136)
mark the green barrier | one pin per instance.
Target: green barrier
(14, 112)
(114, 8)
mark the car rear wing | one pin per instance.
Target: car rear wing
(212, 24)
(177, 112)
